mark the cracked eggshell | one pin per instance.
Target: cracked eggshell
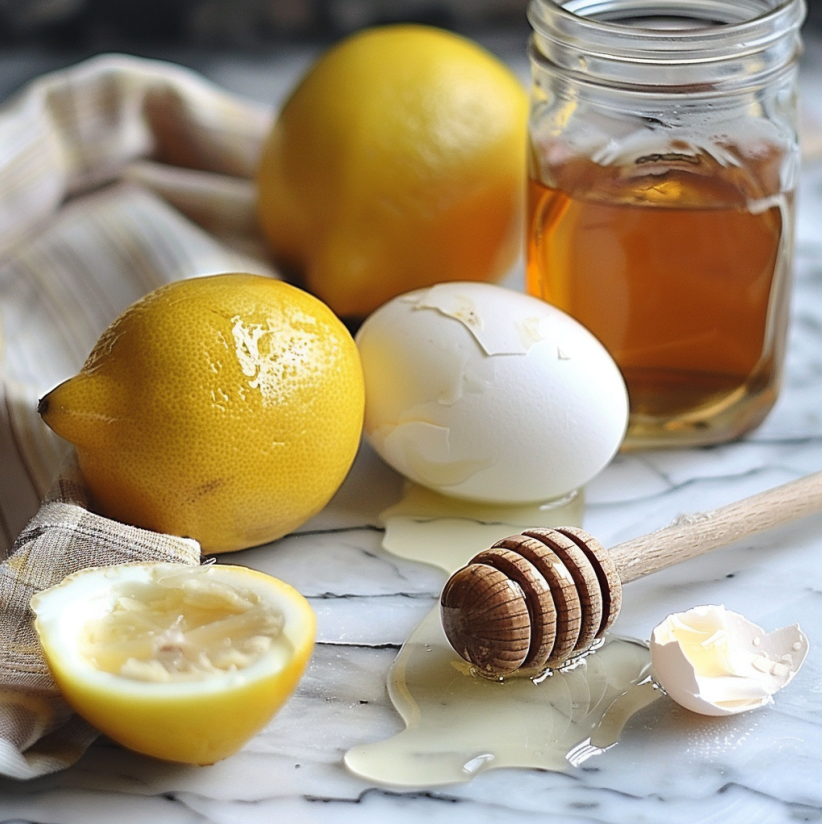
(484, 393)
(715, 662)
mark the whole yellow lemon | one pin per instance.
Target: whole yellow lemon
(397, 162)
(225, 408)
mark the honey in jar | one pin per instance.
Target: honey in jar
(661, 204)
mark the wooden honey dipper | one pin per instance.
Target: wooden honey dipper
(536, 599)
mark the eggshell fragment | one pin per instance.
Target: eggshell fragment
(715, 662)
(484, 393)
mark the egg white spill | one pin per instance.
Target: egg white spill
(487, 394)
(715, 662)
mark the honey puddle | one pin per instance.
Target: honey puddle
(459, 724)
(447, 532)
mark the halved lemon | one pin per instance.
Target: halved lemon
(180, 663)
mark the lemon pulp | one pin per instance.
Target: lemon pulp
(182, 627)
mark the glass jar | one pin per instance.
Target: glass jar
(663, 162)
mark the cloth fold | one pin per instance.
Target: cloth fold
(116, 176)
(73, 130)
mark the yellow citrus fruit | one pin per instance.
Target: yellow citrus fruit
(397, 162)
(177, 662)
(225, 408)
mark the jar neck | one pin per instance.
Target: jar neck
(672, 45)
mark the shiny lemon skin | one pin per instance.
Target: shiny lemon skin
(225, 408)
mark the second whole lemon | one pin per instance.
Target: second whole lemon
(225, 408)
(397, 162)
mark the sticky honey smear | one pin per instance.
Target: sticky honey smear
(459, 724)
(181, 628)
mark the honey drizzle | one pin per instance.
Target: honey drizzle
(459, 724)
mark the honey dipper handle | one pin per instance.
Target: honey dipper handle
(693, 535)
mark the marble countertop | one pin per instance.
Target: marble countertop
(762, 766)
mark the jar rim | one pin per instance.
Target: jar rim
(552, 20)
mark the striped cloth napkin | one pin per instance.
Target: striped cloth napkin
(116, 176)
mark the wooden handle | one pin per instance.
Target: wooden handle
(693, 535)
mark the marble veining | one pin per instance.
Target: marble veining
(668, 765)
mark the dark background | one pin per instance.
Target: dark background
(112, 24)
(97, 25)
(256, 48)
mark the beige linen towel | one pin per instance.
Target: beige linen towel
(116, 176)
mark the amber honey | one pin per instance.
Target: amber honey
(673, 263)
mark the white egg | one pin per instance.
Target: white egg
(484, 393)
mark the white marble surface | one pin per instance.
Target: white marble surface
(668, 766)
